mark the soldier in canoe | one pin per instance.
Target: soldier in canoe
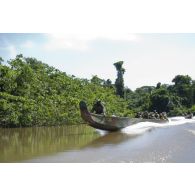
(98, 108)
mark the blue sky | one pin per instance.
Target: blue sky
(148, 58)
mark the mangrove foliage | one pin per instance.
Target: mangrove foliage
(33, 93)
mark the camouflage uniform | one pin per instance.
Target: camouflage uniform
(98, 108)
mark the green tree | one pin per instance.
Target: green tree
(182, 79)
(193, 92)
(140, 99)
(183, 88)
(108, 83)
(160, 100)
(119, 83)
(96, 80)
(34, 93)
(158, 85)
(1, 60)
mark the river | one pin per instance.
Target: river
(143, 142)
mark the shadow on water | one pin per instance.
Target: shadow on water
(112, 138)
(26, 143)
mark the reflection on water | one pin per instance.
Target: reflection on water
(25, 143)
(113, 138)
(167, 143)
(144, 142)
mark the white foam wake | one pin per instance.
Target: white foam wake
(191, 131)
(146, 126)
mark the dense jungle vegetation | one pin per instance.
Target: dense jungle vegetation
(35, 94)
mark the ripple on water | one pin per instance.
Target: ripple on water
(191, 131)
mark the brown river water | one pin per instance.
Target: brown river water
(143, 142)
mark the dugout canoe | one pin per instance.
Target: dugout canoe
(110, 123)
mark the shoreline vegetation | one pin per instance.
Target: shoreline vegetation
(33, 93)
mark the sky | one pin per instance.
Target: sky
(148, 58)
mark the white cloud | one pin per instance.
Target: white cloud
(9, 48)
(81, 41)
(12, 51)
(28, 44)
(122, 37)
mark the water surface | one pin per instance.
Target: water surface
(18, 144)
(143, 142)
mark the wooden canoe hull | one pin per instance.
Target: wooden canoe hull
(110, 123)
